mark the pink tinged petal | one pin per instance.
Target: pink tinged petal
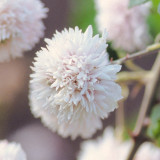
(76, 83)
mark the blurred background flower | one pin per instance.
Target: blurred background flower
(39, 143)
(127, 27)
(105, 147)
(111, 148)
(18, 32)
(11, 151)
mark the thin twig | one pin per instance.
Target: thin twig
(120, 120)
(138, 140)
(149, 50)
(146, 106)
(149, 95)
(133, 67)
(139, 76)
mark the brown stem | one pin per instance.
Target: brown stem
(149, 50)
(138, 140)
(135, 147)
(148, 95)
(146, 106)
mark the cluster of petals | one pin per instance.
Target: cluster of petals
(127, 27)
(21, 26)
(11, 151)
(111, 148)
(72, 85)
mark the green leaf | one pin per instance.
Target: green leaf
(154, 128)
(155, 3)
(83, 14)
(133, 3)
(112, 53)
(154, 19)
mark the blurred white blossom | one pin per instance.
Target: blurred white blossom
(72, 85)
(148, 151)
(11, 151)
(108, 147)
(41, 144)
(127, 27)
(21, 26)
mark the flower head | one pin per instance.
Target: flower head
(109, 147)
(18, 32)
(11, 151)
(73, 83)
(126, 26)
